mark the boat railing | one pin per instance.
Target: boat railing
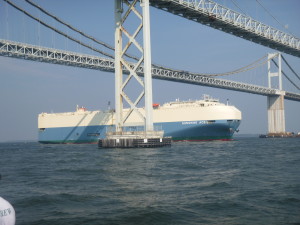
(135, 131)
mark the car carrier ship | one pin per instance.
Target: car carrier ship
(194, 120)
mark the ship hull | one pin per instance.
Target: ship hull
(201, 130)
(200, 120)
(179, 131)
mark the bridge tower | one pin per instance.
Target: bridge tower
(121, 137)
(276, 118)
(121, 61)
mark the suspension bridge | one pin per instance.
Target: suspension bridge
(55, 56)
(205, 12)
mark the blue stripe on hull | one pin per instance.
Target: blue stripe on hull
(200, 130)
(194, 130)
(88, 134)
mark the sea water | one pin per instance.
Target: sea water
(245, 181)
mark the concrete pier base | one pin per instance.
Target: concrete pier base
(134, 143)
(136, 139)
(276, 118)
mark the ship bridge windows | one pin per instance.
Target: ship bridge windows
(42, 129)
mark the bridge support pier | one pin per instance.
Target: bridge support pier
(124, 40)
(276, 118)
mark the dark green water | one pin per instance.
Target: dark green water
(246, 181)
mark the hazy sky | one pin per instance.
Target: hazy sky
(28, 88)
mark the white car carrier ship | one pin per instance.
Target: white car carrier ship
(199, 120)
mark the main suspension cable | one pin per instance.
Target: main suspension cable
(290, 68)
(76, 30)
(58, 31)
(243, 69)
(253, 65)
(284, 27)
(286, 75)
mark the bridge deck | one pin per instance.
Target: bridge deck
(219, 17)
(49, 55)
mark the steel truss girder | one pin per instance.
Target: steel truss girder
(219, 17)
(55, 56)
(144, 62)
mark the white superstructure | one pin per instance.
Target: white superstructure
(177, 111)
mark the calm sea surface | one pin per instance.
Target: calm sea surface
(246, 181)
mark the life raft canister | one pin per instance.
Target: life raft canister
(7, 213)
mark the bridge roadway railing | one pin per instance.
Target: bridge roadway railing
(49, 55)
(219, 17)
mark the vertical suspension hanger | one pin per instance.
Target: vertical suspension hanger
(52, 35)
(23, 28)
(39, 30)
(6, 15)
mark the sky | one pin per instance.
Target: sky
(28, 88)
